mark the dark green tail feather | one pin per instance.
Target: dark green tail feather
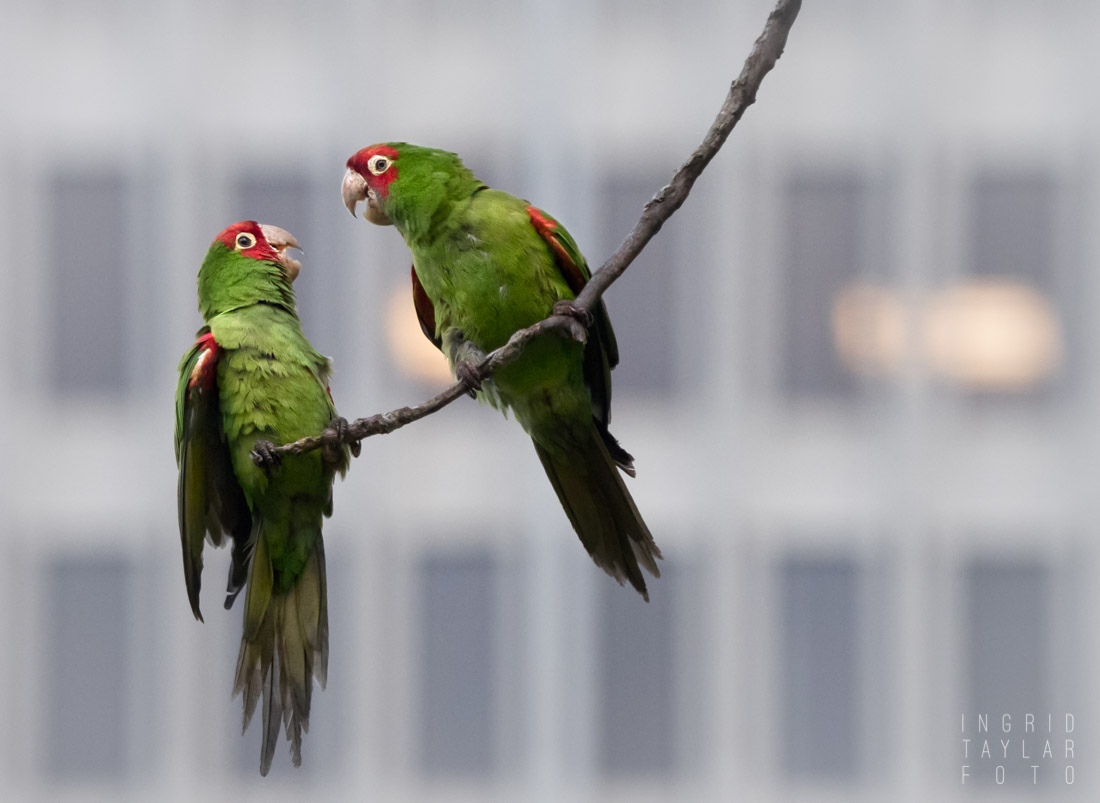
(601, 510)
(284, 647)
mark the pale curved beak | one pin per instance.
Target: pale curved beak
(280, 240)
(354, 190)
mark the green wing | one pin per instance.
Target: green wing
(574, 269)
(211, 502)
(602, 352)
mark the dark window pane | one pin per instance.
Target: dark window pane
(821, 668)
(1014, 250)
(824, 227)
(277, 199)
(1007, 638)
(289, 200)
(637, 707)
(1014, 228)
(89, 649)
(458, 663)
(88, 291)
(642, 305)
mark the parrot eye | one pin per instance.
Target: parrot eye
(245, 240)
(378, 164)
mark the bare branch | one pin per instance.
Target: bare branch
(765, 52)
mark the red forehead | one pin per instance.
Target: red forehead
(261, 250)
(358, 162)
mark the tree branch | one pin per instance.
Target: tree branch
(765, 52)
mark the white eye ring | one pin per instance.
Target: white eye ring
(245, 240)
(378, 164)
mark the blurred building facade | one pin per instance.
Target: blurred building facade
(859, 376)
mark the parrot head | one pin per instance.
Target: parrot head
(370, 173)
(247, 264)
(260, 241)
(401, 182)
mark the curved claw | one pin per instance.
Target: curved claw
(265, 456)
(333, 440)
(581, 318)
(469, 375)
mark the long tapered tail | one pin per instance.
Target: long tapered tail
(283, 648)
(601, 509)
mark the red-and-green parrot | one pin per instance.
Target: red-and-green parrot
(486, 264)
(251, 379)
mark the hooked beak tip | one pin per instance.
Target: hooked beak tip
(280, 240)
(353, 190)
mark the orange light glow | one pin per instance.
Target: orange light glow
(985, 334)
(413, 354)
(871, 329)
(993, 335)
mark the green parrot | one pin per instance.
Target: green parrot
(486, 264)
(252, 378)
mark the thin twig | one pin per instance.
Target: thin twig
(765, 52)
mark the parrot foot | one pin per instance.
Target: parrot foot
(334, 437)
(265, 456)
(469, 375)
(580, 318)
(465, 358)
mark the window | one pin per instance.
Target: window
(824, 234)
(821, 643)
(88, 292)
(288, 200)
(1013, 227)
(458, 675)
(1012, 338)
(637, 642)
(642, 304)
(88, 643)
(1007, 644)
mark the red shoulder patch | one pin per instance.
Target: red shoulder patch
(205, 372)
(545, 227)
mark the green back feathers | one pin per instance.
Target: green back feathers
(229, 280)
